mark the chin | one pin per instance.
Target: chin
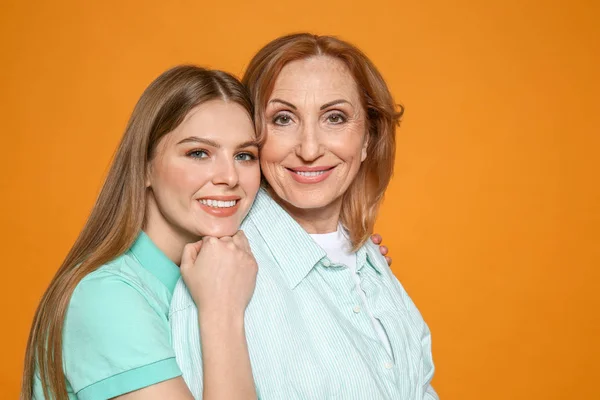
(308, 203)
(221, 231)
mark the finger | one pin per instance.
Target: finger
(389, 260)
(190, 253)
(241, 241)
(376, 238)
(210, 239)
(226, 239)
(383, 250)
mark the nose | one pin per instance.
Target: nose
(225, 172)
(309, 147)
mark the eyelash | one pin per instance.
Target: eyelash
(339, 114)
(196, 153)
(279, 115)
(191, 153)
(251, 156)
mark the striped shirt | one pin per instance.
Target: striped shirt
(307, 335)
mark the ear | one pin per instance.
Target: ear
(363, 152)
(148, 182)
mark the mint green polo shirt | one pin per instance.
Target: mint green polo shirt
(117, 336)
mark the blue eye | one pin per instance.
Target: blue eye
(245, 157)
(198, 154)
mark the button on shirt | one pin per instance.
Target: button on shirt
(338, 247)
(305, 337)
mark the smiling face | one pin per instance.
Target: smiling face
(316, 135)
(205, 174)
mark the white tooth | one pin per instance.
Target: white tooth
(218, 203)
(310, 173)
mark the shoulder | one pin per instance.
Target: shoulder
(119, 281)
(374, 255)
(124, 268)
(115, 295)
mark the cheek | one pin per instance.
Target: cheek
(349, 145)
(271, 154)
(182, 179)
(249, 178)
(277, 146)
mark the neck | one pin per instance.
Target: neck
(314, 220)
(165, 236)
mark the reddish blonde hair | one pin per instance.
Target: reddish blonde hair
(363, 198)
(118, 215)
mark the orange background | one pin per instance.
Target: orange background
(493, 214)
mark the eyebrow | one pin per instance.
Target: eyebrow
(324, 106)
(334, 103)
(212, 143)
(249, 143)
(290, 105)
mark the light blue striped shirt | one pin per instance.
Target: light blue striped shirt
(307, 336)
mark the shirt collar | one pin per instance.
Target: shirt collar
(291, 246)
(155, 261)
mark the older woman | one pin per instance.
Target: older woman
(327, 319)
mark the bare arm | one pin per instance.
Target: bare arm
(174, 389)
(225, 360)
(221, 274)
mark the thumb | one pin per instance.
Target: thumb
(190, 253)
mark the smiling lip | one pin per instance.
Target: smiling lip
(310, 174)
(221, 212)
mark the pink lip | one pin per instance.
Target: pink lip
(312, 169)
(310, 179)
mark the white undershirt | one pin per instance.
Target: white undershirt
(338, 247)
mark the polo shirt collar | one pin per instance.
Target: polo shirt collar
(292, 247)
(155, 261)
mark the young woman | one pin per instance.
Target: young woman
(187, 168)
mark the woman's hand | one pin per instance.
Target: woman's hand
(377, 239)
(220, 274)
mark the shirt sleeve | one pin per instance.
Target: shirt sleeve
(427, 367)
(115, 339)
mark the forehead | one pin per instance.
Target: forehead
(318, 75)
(223, 121)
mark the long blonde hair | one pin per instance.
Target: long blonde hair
(363, 198)
(118, 215)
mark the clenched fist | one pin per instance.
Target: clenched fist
(220, 274)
